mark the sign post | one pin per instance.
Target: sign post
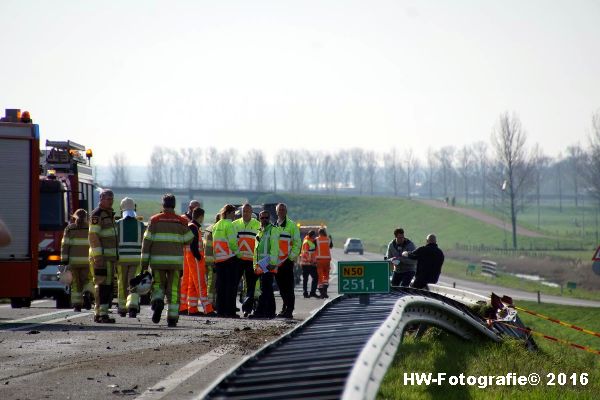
(363, 278)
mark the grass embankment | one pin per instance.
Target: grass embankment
(373, 219)
(438, 351)
(567, 222)
(457, 269)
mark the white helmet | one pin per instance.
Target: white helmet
(141, 283)
(64, 275)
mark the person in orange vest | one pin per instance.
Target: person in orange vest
(197, 288)
(323, 258)
(185, 274)
(309, 264)
(247, 228)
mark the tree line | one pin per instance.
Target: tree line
(504, 172)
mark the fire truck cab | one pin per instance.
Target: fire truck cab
(66, 184)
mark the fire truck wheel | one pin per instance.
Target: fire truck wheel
(20, 302)
(63, 300)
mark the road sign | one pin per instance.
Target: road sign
(359, 277)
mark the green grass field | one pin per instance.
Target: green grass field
(576, 223)
(373, 219)
(442, 352)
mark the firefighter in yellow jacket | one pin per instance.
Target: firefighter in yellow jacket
(162, 251)
(102, 237)
(74, 253)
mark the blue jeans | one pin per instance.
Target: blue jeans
(402, 278)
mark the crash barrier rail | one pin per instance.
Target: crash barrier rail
(488, 267)
(462, 296)
(377, 355)
(316, 358)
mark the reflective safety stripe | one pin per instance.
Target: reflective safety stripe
(323, 250)
(284, 247)
(79, 260)
(246, 246)
(221, 250)
(162, 260)
(168, 237)
(79, 241)
(95, 251)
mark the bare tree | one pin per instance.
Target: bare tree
(465, 165)
(592, 170)
(292, 167)
(226, 168)
(157, 170)
(357, 160)
(256, 169)
(558, 167)
(119, 170)
(189, 160)
(411, 165)
(509, 141)
(481, 167)
(392, 170)
(575, 159)
(371, 170)
(540, 162)
(329, 173)
(314, 160)
(342, 161)
(431, 168)
(212, 158)
(445, 157)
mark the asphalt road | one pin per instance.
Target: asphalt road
(47, 353)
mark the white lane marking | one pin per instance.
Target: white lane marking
(62, 319)
(14, 321)
(181, 375)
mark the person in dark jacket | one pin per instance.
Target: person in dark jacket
(429, 262)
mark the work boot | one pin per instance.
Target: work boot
(87, 300)
(171, 322)
(321, 293)
(325, 287)
(313, 294)
(157, 307)
(77, 308)
(133, 312)
(306, 295)
(122, 313)
(103, 319)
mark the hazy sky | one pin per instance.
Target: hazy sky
(129, 75)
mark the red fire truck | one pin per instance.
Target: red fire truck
(61, 181)
(66, 184)
(19, 207)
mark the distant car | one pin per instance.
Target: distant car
(353, 245)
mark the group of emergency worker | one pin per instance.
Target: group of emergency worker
(193, 272)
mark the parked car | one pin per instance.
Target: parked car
(353, 245)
